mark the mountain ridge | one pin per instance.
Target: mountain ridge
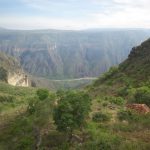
(133, 72)
(56, 54)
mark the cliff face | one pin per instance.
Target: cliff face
(11, 71)
(69, 54)
(18, 79)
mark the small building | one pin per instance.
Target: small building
(141, 108)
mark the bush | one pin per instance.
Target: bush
(102, 141)
(33, 84)
(6, 98)
(112, 71)
(99, 117)
(117, 100)
(123, 91)
(32, 106)
(105, 104)
(3, 74)
(56, 140)
(125, 115)
(142, 119)
(25, 143)
(72, 110)
(42, 94)
(142, 96)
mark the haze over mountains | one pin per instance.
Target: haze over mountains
(59, 54)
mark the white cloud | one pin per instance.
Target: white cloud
(39, 23)
(108, 13)
(130, 13)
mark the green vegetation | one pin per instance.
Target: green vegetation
(125, 115)
(142, 96)
(8, 64)
(95, 118)
(42, 94)
(100, 117)
(3, 74)
(129, 83)
(71, 111)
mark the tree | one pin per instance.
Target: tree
(33, 84)
(42, 94)
(71, 111)
(3, 74)
(142, 96)
(40, 111)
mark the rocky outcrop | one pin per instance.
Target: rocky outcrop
(18, 79)
(11, 71)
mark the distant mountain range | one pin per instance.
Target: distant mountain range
(57, 54)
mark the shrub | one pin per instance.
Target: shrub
(103, 141)
(105, 104)
(142, 95)
(3, 74)
(112, 71)
(117, 100)
(99, 117)
(6, 98)
(56, 140)
(123, 91)
(72, 110)
(25, 143)
(33, 84)
(125, 115)
(32, 106)
(42, 94)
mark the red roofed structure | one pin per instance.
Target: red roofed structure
(141, 108)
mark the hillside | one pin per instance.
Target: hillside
(33, 118)
(9, 63)
(57, 54)
(137, 66)
(134, 70)
(119, 92)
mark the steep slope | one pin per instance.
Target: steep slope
(70, 54)
(123, 94)
(133, 71)
(137, 66)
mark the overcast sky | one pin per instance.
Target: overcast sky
(74, 14)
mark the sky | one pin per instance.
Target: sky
(74, 14)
